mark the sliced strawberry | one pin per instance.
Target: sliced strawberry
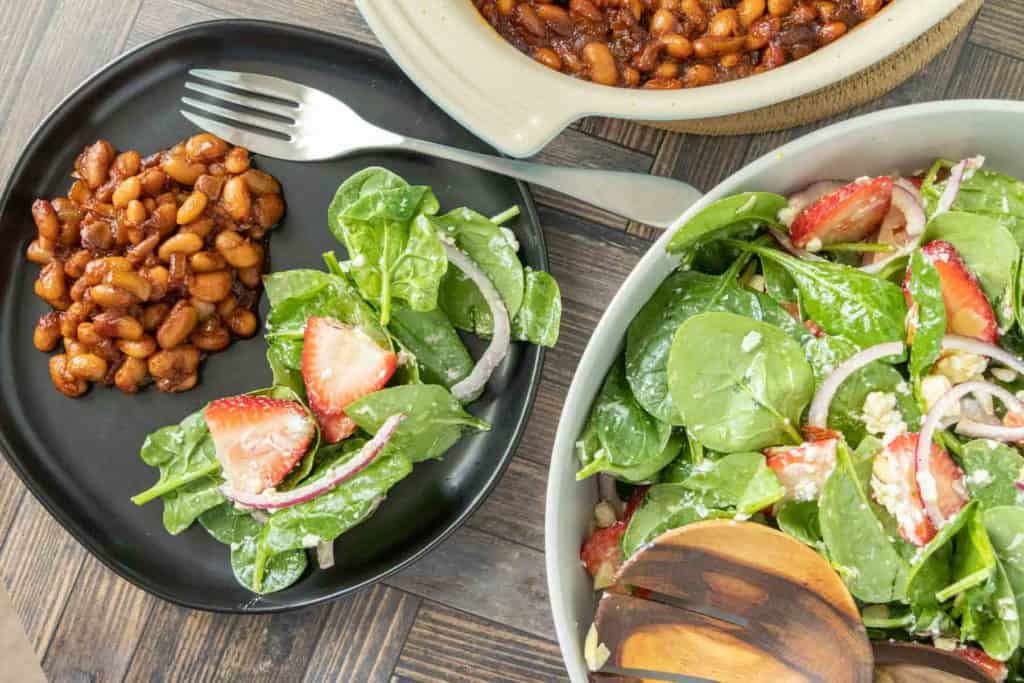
(601, 554)
(819, 433)
(802, 470)
(894, 486)
(634, 501)
(916, 181)
(848, 214)
(992, 667)
(258, 440)
(341, 364)
(968, 311)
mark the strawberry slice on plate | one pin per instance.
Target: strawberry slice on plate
(968, 311)
(992, 667)
(601, 554)
(258, 440)
(802, 470)
(848, 214)
(894, 486)
(341, 364)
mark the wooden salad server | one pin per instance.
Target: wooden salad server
(724, 600)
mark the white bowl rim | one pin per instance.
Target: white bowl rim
(577, 403)
(448, 50)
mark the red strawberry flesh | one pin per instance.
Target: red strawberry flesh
(968, 311)
(341, 364)
(258, 440)
(848, 214)
(802, 470)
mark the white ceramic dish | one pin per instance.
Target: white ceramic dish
(518, 106)
(906, 139)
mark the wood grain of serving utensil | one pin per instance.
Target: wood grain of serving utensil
(724, 600)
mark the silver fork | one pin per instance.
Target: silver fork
(306, 124)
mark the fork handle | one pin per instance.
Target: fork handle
(652, 200)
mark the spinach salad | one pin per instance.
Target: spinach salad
(370, 377)
(843, 364)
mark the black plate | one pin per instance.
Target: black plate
(80, 456)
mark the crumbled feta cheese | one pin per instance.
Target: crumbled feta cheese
(979, 478)
(933, 387)
(787, 215)
(961, 366)
(948, 644)
(751, 341)
(1003, 374)
(814, 245)
(881, 414)
(595, 652)
(604, 514)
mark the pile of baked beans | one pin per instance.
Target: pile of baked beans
(670, 44)
(151, 262)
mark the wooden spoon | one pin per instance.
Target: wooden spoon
(724, 600)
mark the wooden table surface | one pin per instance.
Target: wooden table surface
(477, 608)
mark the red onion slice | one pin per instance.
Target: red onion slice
(276, 500)
(913, 213)
(911, 188)
(469, 388)
(955, 342)
(983, 430)
(783, 239)
(925, 478)
(817, 416)
(962, 171)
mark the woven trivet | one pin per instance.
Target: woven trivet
(848, 93)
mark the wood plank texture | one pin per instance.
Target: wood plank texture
(476, 609)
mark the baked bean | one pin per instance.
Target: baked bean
(46, 219)
(237, 161)
(87, 366)
(139, 348)
(73, 347)
(97, 235)
(205, 147)
(725, 23)
(677, 46)
(186, 243)
(556, 18)
(211, 336)
(192, 207)
(201, 227)
(177, 326)
(130, 281)
(127, 164)
(154, 315)
(242, 322)
(51, 285)
(87, 334)
(114, 324)
(212, 286)
(47, 332)
(76, 314)
(177, 362)
(698, 75)
(236, 198)
(602, 64)
(630, 76)
(663, 21)
(152, 181)
(250, 277)
(94, 162)
(711, 46)
(130, 376)
(236, 250)
(40, 251)
(832, 31)
(128, 190)
(779, 8)
(210, 185)
(268, 210)
(206, 261)
(548, 57)
(750, 11)
(181, 170)
(204, 309)
(586, 9)
(226, 305)
(65, 383)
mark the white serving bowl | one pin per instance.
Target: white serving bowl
(903, 139)
(518, 105)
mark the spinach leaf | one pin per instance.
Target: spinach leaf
(682, 465)
(486, 244)
(326, 517)
(278, 572)
(368, 181)
(740, 384)
(991, 617)
(395, 251)
(740, 480)
(1005, 527)
(429, 336)
(433, 422)
(825, 354)
(681, 296)
(974, 560)
(228, 524)
(846, 411)
(726, 216)
(988, 249)
(628, 434)
(991, 194)
(857, 543)
(665, 507)
(540, 316)
(929, 314)
(844, 301)
(778, 283)
(189, 472)
(991, 470)
(593, 459)
(799, 519)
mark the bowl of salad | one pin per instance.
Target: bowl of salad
(831, 342)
